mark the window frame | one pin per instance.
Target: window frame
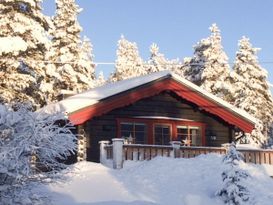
(189, 135)
(134, 130)
(166, 124)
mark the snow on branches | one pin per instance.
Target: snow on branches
(209, 67)
(23, 44)
(128, 64)
(158, 62)
(73, 56)
(30, 142)
(252, 91)
(234, 190)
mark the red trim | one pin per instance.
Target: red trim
(129, 97)
(172, 123)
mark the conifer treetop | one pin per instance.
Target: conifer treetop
(74, 56)
(128, 63)
(209, 66)
(159, 62)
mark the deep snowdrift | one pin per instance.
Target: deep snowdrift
(163, 181)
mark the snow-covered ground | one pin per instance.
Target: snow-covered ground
(165, 181)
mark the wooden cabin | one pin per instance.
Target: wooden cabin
(153, 109)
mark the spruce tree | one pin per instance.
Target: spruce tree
(234, 190)
(23, 43)
(209, 67)
(128, 63)
(252, 89)
(72, 57)
(158, 62)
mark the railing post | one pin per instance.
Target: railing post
(117, 153)
(103, 152)
(226, 146)
(81, 156)
(176, 149)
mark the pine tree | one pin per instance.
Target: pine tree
(234, 190)
(252, 93)
(73, 57)
(128, 64)
(158, 62)
(209, 67)
(23, 43)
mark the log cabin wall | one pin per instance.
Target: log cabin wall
(166, 104)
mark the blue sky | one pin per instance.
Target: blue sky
(175, 25)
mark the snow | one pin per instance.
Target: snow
(158, 62)
(209, 66)
(67, 46)
(24, 137)
(246, 147)
(94, 96)
(12, 44)
(159, 181)
(128, 63)
(252, 91)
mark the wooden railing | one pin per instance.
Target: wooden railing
(147, 152)
(260, 156)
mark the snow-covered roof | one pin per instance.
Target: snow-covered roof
(93, 96)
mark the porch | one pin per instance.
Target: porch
(118, 152)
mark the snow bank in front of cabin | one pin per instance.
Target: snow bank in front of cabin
(161, 181)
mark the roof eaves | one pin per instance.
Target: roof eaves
(219, 101)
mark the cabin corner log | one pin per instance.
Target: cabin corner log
(138, 152)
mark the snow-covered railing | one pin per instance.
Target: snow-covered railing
(139, 152)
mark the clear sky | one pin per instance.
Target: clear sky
(175, 25)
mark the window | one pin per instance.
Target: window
(189, 135)
(136, 131)
(162, 134)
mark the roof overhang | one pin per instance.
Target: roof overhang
(180, 87)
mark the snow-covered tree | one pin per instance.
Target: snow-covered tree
(234, 190)
(158, 62)
(252, 89)
(100, 80)
(23, 43)
(72, 57)
(209, 67)
(30, 141)
(128, 64)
